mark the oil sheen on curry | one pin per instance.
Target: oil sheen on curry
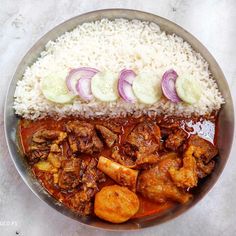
(120, 168)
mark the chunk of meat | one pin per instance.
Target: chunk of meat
(157, 185)
(108, 136)
(37, 153)
(83, 138)
(115, 125)
(204, 152)
(119, 173)
(144, 161)
(145, 137)
(204, 149)
(168, 122)
(44, 141)
(115, 204)
(176, 139)
(204, 169)
(69, 177)
(186, 176)
(196, 162)
(92, 175)
(45, 135)
(123, 160)
(140, 147)
(169, 155)
(129, 150)
(82, 203)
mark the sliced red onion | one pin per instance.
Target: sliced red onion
(75, 74)
(128, 76)
(168, 85)
(83, 87)
(125, 82)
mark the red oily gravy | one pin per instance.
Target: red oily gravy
(203, 126)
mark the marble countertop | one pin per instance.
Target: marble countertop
(23, 22)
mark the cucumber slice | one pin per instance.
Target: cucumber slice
(104, 86)
(188, 89)
(147, 87)
(55, 90)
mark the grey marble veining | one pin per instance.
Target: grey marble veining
(22, 22)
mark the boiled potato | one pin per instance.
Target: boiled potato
(54, 160)
(46, 166)
(115, 204)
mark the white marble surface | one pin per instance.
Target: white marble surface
(22, 22)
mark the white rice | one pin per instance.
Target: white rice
(115, 45)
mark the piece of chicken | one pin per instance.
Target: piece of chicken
(144, 161)
(157, 185)
(186, 176)
(115, 204)
(196, 162)
(204, 149)
(204, 169)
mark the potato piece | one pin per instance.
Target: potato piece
(115, 204)
(121, 174)
(55, 148)
(54, 160)
(46, 166)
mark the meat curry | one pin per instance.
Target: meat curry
(153, 163)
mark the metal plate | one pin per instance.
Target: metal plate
(225, 124)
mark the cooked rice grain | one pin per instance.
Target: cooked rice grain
(115, 45)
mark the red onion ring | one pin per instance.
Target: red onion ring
(76, 74)
(168, 85)
(83, 88)
(125, 82)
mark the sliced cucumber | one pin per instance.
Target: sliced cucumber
(147, 87)
(104, 86)
(188, 89)
(54, 89)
